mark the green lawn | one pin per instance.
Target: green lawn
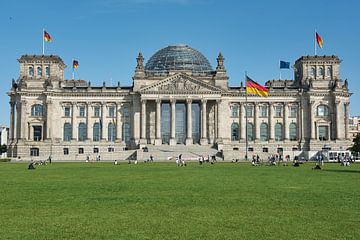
(162, 201)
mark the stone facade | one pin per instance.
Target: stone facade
(183, 102)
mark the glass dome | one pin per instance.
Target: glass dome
(178, 58)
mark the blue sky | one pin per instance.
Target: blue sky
(105, 36)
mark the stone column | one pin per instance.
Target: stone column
(23, 122)
(143, 122)
(89, 126)
(118, 122)
(243, 122)
(285, 123)
(271, 122)
(299, 122)
(189, 139)
(203, 140)
(256, 121)
(346, 107)
(173, 122)
(216, 120)
(73, 122)
(158, 140)
(48, 119)
(339, 133)
(103, 121)
(312, 122)
(12, 121)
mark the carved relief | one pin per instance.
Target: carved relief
(180, 84)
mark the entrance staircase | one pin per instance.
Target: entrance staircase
(166, 152)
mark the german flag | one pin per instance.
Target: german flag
(319, 40)
(75, 64)
(254, 88)
(47, 37)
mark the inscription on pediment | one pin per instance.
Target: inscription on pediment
(179, 84)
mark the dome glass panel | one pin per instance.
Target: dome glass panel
(178, 58)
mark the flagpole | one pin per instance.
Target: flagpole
(43, 41)
(315, 42)
(279, 71)
(73, 70)
(246, 120)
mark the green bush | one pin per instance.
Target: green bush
(5, 159)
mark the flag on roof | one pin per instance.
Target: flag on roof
(319, 40)
(47, 37)
(284, 64)
(254, 88)
(75, 64)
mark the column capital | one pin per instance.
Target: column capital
(143, 101)
(12, 104)
(189, 100)
(218, 101)
(173, 101)
(49, 101)
(203, 100)
(158, 101)
(103, 103)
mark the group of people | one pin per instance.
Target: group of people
(209, 159)
(180, 162)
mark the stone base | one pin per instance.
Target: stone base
(143, 141)
(172, 142)
(204, 141)
(158, 142)
(189, 141)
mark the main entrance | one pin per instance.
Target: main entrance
(180, 122)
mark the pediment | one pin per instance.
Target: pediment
(181, 83)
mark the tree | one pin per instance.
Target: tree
(3, 148)
(356, 146)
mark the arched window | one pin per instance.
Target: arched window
(39, 71)
(31, 71)
(278, 132)
(111, 132)
(321, 71)
(37, 110)
(234, 132)
(312, 72)
(82, 132)
(264, 132)
(126, 132)
(47, 71)
(292, 132)
(328, 71)
(250, 132)
(322, 111)
(96, 132)
(234, 111)
(67, 131)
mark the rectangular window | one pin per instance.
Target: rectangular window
(249, 111)
(96, 150)
(278, 111)
(126, 111)
(293, 111)
(323, 133)
(81, 150)
(96, 111)
(111, 111)
(34, 152)
(82, 111)
(110, 149)
(234, 111)
(250, 149)
(265, 149)
(67, 112)
(264, 111)
(66, 151)
(37, 133)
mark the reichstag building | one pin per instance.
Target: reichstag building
(178, 103)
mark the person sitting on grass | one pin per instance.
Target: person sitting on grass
(31, 166)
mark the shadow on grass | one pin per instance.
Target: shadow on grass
(341, 170)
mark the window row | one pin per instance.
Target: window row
(97, 132)
(96, 111)
(264, 111)
(320, 71)
(264, 132)
(39, 71)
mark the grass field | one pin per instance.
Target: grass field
(162, 201)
